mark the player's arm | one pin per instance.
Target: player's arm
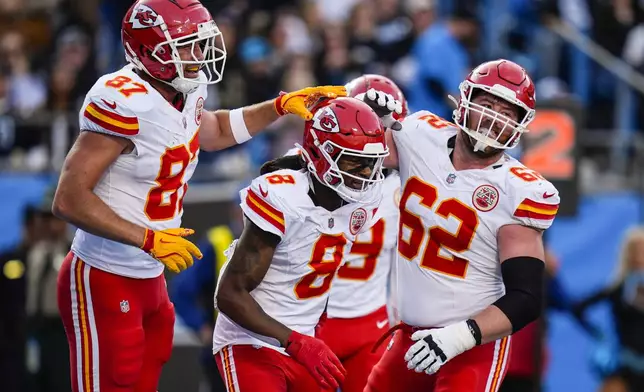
(245, 271)
(225, 128)
(521, 249)
(75, 200)
(108, 128)
(522, 267)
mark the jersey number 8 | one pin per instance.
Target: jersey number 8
(326, 269)
(437, 236)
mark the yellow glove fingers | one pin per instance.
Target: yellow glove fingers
(178, 232)
(332, 91)
(192, 248)
(186, 257)
(170, 264)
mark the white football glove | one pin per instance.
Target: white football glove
(434, 347)
(385, 105)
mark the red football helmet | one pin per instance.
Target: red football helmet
(344, 128)
(506, 80)
(365, 82)
(156, 33)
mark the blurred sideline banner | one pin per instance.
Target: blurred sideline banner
(551, 148)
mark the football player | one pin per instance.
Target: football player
(470, 247)
(123, 184)
(357, 314)
(299, 222)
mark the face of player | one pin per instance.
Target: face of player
(191, 52)
(356, 166)
(492, 104)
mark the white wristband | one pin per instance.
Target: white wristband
(238, 125)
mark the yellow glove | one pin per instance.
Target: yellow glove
(298, 102)
(170, 248)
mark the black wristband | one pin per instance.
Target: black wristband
(475, 330)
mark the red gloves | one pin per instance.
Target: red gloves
(317, 358)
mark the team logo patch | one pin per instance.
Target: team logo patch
(357, 221)
(199, 110)
(485, 198)
(144, 17)
(125, 306)
(326, 121)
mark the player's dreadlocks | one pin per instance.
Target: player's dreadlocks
(293, 162)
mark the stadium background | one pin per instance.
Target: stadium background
(585, 57)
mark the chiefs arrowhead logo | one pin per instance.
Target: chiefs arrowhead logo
(326, 121)
(144, 17)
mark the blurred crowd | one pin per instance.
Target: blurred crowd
(52, 51)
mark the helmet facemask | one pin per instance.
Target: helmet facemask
(348, 183)
(493, 129)
(206, 54)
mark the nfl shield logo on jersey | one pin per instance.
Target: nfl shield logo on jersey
(331, 223)
(451, 178)
(485, 198)
(125, 306)
(358, 219)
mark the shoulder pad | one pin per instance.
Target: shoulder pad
(114, 103)
(275, 200)
(535, 199)
(425, 125)
(428, 120)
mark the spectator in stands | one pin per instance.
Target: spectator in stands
(448, 41)
(26, 90)
(192, 291)
(625, 370)
(12, 309)
(394, 33)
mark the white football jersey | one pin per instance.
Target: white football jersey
(360, 286)
(448, 264)
(296, 287)
(145, 186)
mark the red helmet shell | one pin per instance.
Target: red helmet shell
(343, 126)
(150, 33)
(509, 75)
(508, 81)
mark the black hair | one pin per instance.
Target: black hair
(292, 162)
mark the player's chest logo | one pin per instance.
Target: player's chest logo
(357, 220)
(450, 178)
(485, 198)
(331, 223)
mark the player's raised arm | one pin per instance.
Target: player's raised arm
(225, 128)
(389, 103)
(245, 270)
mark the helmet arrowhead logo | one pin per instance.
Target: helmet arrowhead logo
(326, 121)
(144, 17)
